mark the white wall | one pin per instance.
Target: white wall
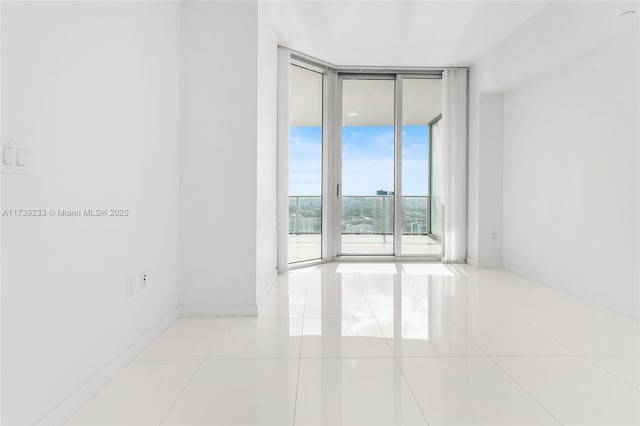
(266, 237)
(484, 237)
(571, 183)
(219, 116)
(92, 88)
(490, 200)
(557, 32)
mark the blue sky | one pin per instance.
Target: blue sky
(367, 155)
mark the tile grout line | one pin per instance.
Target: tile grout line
(525, 390)
(507, 373)
(589, 360)
(415, 399)
(186, 385)
(527, 320)
(97, 392)
(583, 355)
(395, 360)
(304, 311)
(182, 391)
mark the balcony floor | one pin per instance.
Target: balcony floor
(307, 246)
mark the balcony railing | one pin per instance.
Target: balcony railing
(368, 214)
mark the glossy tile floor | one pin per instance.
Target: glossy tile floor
(387, 344)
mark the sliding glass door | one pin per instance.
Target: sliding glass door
(367, 199)
(386, 170)
(362, 164)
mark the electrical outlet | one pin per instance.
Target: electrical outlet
(145, 280)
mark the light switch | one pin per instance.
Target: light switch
(21, 157)
(8, 155)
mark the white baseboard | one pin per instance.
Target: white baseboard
(484, 263)
(624, 309)
(67, 408)
(219, 310)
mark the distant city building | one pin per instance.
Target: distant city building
(383, 215)
(309, 225)
(419, 228)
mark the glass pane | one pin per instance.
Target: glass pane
(305, 165)
(367, 166)
(436, 180)
(420, 106)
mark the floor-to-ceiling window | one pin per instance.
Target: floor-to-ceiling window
(420, 106)
(435, 183)
(305, 165)
(363, 153)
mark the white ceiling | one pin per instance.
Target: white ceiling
(442, 33)
(373, 102)
(305, 97)
(398, 33)
(506, 41)
(560, 31)
(422, 101)
(364, 102)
